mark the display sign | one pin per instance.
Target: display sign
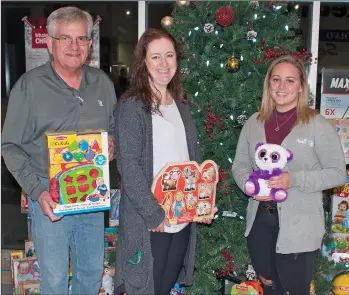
(335, 94)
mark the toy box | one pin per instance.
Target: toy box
(30, 288)
(114, 210)
(24, 202)
(26, 272)
(340, 208)
(187, 191)
(29, 249)
(110, 236)
(107, 287)
(336, 248)
(235, 286)
(79, 171)
(342, 128)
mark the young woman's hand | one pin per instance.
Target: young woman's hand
(281, 181)
(262, 198)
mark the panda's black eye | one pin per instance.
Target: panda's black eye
(262, 153)
(275, 157)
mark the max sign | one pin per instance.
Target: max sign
(39, 38)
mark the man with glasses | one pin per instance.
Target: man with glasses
(63, 94)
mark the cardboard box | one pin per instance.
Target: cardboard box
(79, 171)
(26, 272)
(340, 208)
(114, 210)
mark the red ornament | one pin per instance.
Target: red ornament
(224, 16)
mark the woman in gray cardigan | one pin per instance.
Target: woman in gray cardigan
(154, 127)
(283, 238)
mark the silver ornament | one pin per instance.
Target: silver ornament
(208, 28)
(255, 4)
(241, 119)
(251, 35)
(250, 273)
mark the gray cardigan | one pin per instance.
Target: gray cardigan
(318, 164)
(139, 210)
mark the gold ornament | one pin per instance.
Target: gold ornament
(167, 22)
(182, 3)
(233, 64)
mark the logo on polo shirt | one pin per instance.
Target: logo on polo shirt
(100, 103)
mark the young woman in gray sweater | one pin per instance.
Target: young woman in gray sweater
(284, 238)
(154, 127)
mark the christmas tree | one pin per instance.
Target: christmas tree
(228, 47)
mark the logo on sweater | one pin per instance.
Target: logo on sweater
(100, 103)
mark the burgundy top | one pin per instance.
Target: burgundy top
(285, 121)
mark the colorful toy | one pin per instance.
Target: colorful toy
(24, 202)
(336, 248)
(270, 159)
(247, 288)
(187, 191)
(110, 236)
(79, 171)
(340, 284)
(114, 210)
(25, 271)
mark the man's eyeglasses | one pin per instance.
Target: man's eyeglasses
(67, 40)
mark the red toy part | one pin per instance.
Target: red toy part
(73, 200)
(93, 173)
(81, 178)
(95, 145)
(256, 285)
(54, 195)
(71, 190)
(68, 179)
(83, 188)
(83, 198)
(54, 183)
(94, 184)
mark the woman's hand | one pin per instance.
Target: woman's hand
(281, 181)
(161, 227)
(209, 220)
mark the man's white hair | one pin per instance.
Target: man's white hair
(68, 14)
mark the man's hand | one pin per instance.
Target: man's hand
(209, 220)
(161, 227)
(281, 181)
(47, 204)
(111, 147)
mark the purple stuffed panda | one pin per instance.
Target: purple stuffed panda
(270, 159)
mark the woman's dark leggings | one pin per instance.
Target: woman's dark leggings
(290, 273)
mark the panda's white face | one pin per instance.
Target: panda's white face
(270, 156)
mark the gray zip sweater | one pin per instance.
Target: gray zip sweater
(318, 164)
(139, 210)
(41, 101)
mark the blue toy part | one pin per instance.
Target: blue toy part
(83, 145)
(90, 154)
(67, 156)
(100, 160)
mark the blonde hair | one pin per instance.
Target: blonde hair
(304, 112)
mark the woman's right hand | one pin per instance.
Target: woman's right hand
(262, 198)
(161, 227)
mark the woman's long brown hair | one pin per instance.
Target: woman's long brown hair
(140, 88)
